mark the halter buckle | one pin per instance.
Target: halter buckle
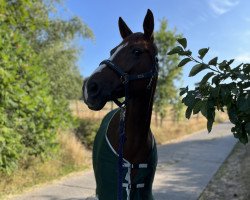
(140, 76)
(124, 79)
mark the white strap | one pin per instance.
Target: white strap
(140, 185)
(126, 185)
(128, 177)
(143, 165)
(128, 165)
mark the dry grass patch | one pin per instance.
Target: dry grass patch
(72, 157)
(170, 130)
(72, 151)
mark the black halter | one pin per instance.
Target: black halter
(125, 79)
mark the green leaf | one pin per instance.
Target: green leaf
(183, 90)
(204, 108)
(243, 103)
(189, 100)
(213, 61)
(238, 67)
(223, 65)
(197, 68)
(216, 80)
(2, 139)
(175, 50)
(246, 68)
(206, 77)
(188, 112)
(247, 128)
(185, 53)
(210, 117)
(182, 42)
(203, 52)
(197, 107)
(230, 61)
(225, 94)
(184, 62)
(209, 125)
(215, 91)
(232, 114)
(245, 85)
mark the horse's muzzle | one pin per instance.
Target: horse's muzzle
(92, 95)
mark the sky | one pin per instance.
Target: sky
(221, 25)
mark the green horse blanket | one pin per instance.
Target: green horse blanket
(105, 163)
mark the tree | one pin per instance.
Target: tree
(52, 39)
(59, 55)
(222, 87)
(31, 110)
(28, 117)
(166, 91)
(178, 110)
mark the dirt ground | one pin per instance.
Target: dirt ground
(232, 180)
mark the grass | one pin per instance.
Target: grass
(72, 157)
(170, 130)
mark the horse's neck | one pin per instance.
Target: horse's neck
(138, 117)
(139, 137)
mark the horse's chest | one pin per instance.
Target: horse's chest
(136, 148)
(137, 179)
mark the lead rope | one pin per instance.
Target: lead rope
(122, 138)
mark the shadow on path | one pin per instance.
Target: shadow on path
(185, 168)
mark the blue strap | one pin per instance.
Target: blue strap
(113, 67)
(122, 138)
(126, 77)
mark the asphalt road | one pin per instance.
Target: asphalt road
(184, 169)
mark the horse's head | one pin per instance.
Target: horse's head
(135, 56)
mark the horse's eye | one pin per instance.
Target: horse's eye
(137, 52)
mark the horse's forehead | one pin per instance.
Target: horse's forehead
(136, 38)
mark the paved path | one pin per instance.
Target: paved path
(184, 169)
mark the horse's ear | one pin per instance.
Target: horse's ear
(148, 24)
(124, 29)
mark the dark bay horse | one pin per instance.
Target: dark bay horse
(130, 72)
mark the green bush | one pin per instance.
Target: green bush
(32, 109)
(29, 115)
(86, 131)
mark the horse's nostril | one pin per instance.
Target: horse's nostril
(93, 89)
